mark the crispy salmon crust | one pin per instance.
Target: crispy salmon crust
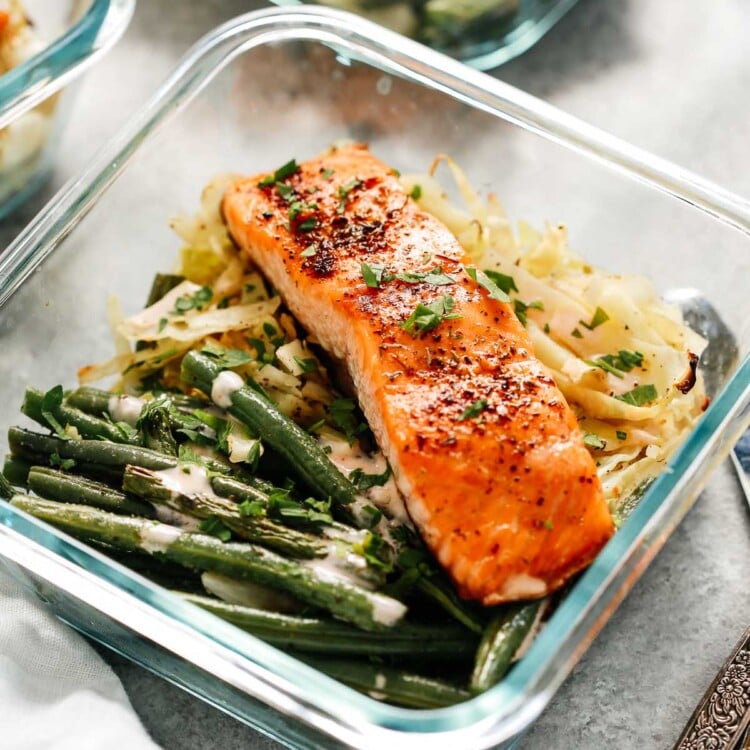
(506, 496)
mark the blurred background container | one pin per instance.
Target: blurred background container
(44, 46)
(482, 33)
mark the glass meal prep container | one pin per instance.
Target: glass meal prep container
(481, 33)
(255, 92)
(60, 42)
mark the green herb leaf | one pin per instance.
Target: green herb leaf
(506, 283)
(434, 277)
(226, 358)
(373, 274)
(198, 301)
(416, 192)
(162, 324)
(263, 356)
(307, 225)
(621, 435)
(427, 317)
(284, 171)
(215, 527)
(373, 515)
(328, 173)
(285, 191)
(481, 278)
(624, 360)
(251, 509)
(600, 316)
(306, 365)
(602, 364)
(592, 440)
(546, 328)
(310, 251)
(474, 409)
(520, 309)
(63, 463)
(344, 415)
(364, 481)
(548, 525)
(298, 208)
(376, 551)
(315, 426)
(51, 402)
(309, 512)
(575, 333)
(640, 395)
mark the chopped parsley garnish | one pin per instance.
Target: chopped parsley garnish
(364, 481)
(162, 324)
(624, 360)
(284, 171)
(263, 356)
(343, 193)
(575, 333)
(640, 395)
(343, 414)
(63, 463)
(474, 409)
(52, 401)
(373, 516)
(373, 274)
(600, 316)
(297, 208)
(226, 358)
(376, 551)
(483, 279)
(548, 525)
(309, 251)
(416, 192)
(308, 512)
(506, 283)
(215, 527)
(307, 365)
(427, 317)
(621, 435)
(315, 426)
(602, 364)
(592, 440)
(307, 225)
(328, 173)
(251, 509)
(434, 277)
(198, 301)
(546, 328)
(285, 191)
(520, 309)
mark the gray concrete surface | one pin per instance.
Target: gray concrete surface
(673, 78)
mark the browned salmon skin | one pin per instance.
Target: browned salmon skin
(483, 446)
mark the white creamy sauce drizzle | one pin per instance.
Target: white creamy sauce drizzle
(188, 479)
(125, 409)
(224, 386)
(523, 586)
(159, 537)
(347, 458)
(175, 518)
(387, 611)
(340, 567)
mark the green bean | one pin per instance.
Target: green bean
(346, 601)
(87, 425)
(327, 636)
(500, 641)
(391, 685)
(303, 454)
(70, 488)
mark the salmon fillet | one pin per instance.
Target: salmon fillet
(483, 446)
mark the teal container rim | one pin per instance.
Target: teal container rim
(265, 672)
(512, 44)
(45, 73)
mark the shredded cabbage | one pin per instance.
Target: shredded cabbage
(631, 439)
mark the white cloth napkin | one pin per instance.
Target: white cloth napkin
(56, 693)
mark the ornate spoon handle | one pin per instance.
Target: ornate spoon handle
(723, 715)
